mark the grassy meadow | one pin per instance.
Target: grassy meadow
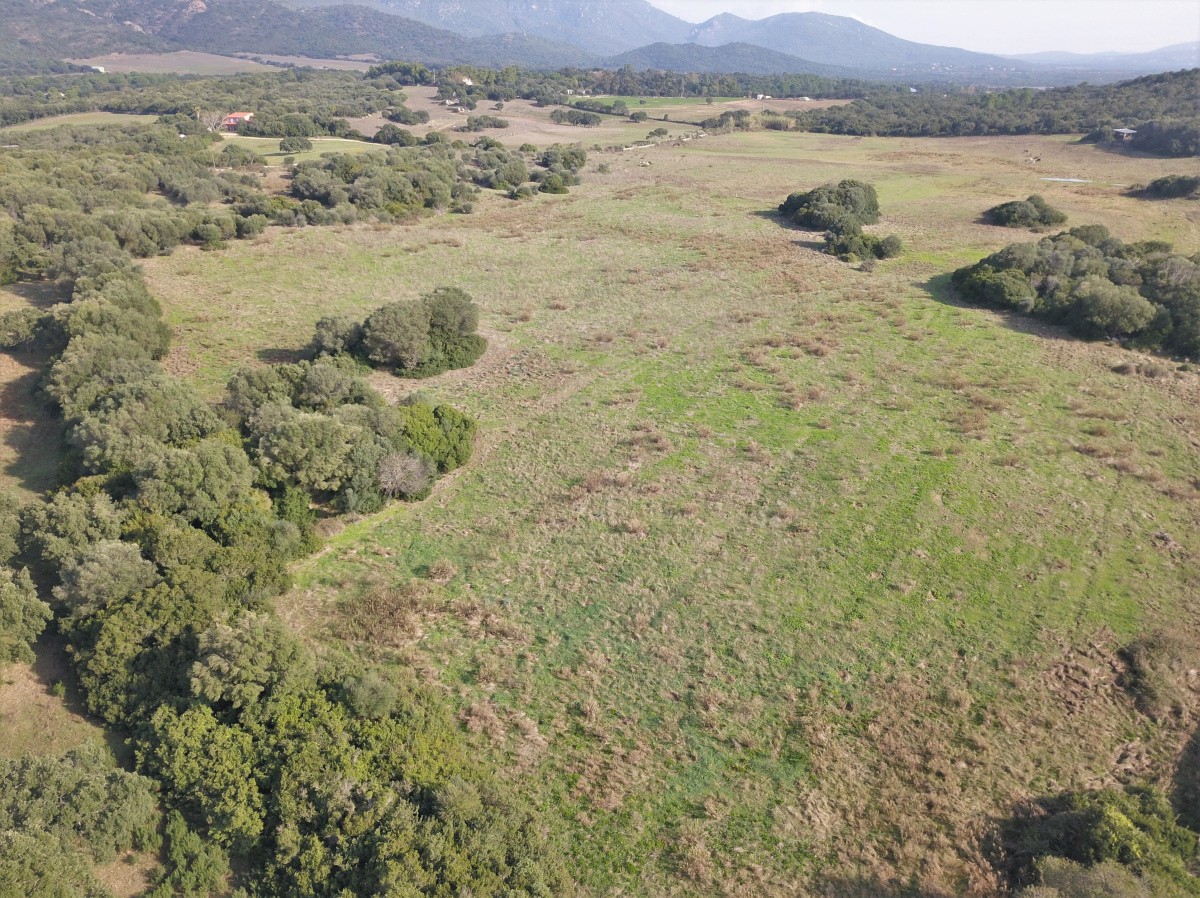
(78, 119)
(770, 576)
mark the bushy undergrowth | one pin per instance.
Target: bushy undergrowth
(1132, 828)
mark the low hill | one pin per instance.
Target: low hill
(1165, 59)
(735, 57)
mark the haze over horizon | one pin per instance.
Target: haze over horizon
(991, 26)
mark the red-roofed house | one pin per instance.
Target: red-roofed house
(236, 118)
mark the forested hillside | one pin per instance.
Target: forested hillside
(1162, 108)
(62, 29)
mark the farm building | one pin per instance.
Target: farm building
(234, 119)
(1125, 133)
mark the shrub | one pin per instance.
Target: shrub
(1134, 827)
(82, 799)
(826, 207)
(1172, 186)
(1031, 213)
(1102, 309)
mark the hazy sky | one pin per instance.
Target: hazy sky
(994, 26)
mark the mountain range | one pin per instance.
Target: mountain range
(539, 34)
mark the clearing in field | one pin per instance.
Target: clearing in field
(79, 119)
(767, 570)
(181, 62)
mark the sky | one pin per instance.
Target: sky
(991, 26)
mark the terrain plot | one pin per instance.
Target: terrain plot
(767, 569)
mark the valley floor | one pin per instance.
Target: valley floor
(770, 576)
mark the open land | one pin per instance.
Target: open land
(528, 123)
(770, 576)
(181, 62)
(78, 119)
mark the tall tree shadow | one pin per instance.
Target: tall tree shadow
(813, 240)
(32, 434)
(1185, 791)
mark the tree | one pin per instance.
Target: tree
(104, 573)
(1101, 309)
(406, 475)
(210, 769)
(295, 145)
(306, 448)
(247, 660)
(397, 335)
(23, 616)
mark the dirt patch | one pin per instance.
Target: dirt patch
(39, 712)
(130, 875)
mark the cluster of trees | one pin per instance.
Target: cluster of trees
(164, 549)
(1096, 285)
(318, 428)
(1161, 107)
(551, 88)
(1171, 187)
(482, 123)
(576, 117)
(175, 525)
(415, 338)
(288, 103)
(841, 210)
(737, 120)
(398, 184)
(1034, 212)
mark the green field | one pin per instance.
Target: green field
(771, 576)
(636, 103)
(181, 62)
(269, 147)
(80, 119)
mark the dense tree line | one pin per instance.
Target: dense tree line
(176, 523)
(551, 88)
(841, 210)
(1034, 212)
(1097, 286)
(1161, 107)
(292, 102)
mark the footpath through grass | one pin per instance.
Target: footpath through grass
(767, 570)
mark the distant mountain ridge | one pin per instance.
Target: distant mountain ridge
(1172, 58)
(842, 41)
(598, 27)
(66, 28)
(546, 34)
(743, 58)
